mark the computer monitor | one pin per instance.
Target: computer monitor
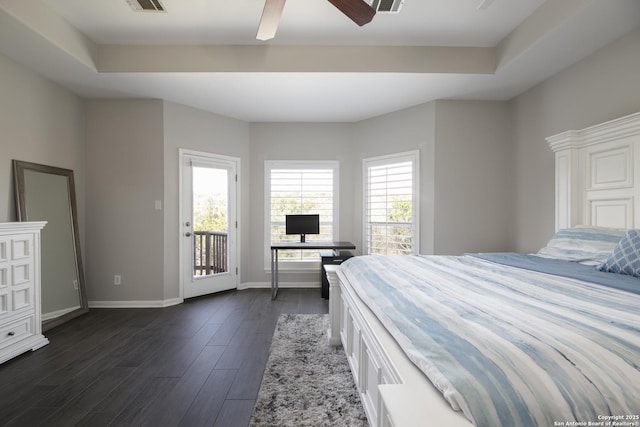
(302, 225)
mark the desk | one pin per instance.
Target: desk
(336, 246)
(330, 258)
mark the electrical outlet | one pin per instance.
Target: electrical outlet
(75, 284)
(117, 279)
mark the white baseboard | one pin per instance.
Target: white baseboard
(135, 304)
(176, 301)
(281, 285)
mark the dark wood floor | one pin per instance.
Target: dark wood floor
(195, 364)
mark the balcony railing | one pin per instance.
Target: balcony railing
(390, 238)
(210, 253)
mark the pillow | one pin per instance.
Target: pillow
(589, 245)
(625, 258)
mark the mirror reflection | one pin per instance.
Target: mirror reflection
(46, 193)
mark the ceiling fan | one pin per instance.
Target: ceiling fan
(357, 10)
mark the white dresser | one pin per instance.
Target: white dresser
(20, 322)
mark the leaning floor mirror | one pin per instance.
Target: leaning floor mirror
(47, 193)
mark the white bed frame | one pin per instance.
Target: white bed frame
(595, 171)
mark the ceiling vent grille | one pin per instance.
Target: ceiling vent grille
(386, 6)
(146, 5)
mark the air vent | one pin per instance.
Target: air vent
(146, 5)
(386, 6)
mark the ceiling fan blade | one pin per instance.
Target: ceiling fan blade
(270, 19)
(357, 10)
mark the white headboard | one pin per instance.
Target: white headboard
(597, 174)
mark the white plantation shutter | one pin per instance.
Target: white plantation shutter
(300, 188)
(390, 211)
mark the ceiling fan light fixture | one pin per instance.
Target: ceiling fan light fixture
(359, 11)
(270, 19)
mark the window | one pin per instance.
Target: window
(391, 204)
(300, 187)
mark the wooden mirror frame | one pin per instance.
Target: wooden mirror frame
(19, 168)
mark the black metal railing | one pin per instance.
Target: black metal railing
(210, 253)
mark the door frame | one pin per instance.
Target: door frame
(182, 152)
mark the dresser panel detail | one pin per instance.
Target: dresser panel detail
(20, 308)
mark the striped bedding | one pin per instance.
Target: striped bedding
(509, 346)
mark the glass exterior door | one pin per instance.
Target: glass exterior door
(208, 224)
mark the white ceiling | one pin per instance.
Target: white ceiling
(420, 22)
(72, 42)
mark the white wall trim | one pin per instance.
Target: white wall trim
(297, 164)
(267, 285)
(412, 156)
(234, 162)
(136, 304)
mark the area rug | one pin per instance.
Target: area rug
(306, 381)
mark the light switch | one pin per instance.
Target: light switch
(158, 205)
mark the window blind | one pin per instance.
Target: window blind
(390, 206)
(301, 191)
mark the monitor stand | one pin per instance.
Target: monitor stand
(302, 238)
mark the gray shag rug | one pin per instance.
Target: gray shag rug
(306, 381)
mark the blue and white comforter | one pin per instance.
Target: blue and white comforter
(509, 346)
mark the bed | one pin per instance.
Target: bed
(551, 338)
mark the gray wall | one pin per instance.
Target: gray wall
(406, 130)
(472, 177)
(43, 123)
(464, 171)
(40, 122)
(193, 129)
(297, 141)
(486, 178)
(132, 153)
(124, 236)
(601, 87)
